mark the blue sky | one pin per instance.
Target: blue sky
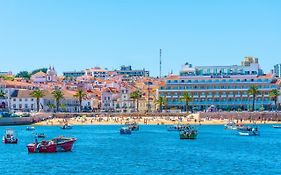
(78, 34)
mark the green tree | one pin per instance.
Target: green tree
(37, 94)
(5, 77)
(254, 91)
(80, 94)
(273, 94)
(2, 94)
(186, 98)
(23, 74)
(39, 70)
(161, 101)
(63, 107)
(51, 106)
(136, 95)
(58, 95)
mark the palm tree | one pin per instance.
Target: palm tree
(58, 95)
(273, 94)
(80, 94)
(51, 106)
(37, 94)
(161, 101)
(2, 94)
(136, 95)
(254, 91)
(186, 98)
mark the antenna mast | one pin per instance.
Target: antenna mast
(160, 63)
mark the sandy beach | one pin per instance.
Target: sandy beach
(144, 120)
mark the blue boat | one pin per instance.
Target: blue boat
(125, 130)
(249, 131)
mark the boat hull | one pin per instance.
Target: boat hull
(188, 136)
(8, 141)
(51, 147)
(249, 133)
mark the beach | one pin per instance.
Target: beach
(194, 120)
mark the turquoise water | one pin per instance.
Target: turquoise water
(152, 150)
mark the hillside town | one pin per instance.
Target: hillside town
(243, 87)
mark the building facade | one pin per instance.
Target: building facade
(249, 66)
(277, 70)
(97, 72)
(127, 70)
(226, 90)
(73, 74)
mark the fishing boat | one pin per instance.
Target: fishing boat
(249, 131)
(10, 137)
(233, 126)
(30, 128)
(177, 127)
(230, 126)
(66, 126)
(132, 126)
(189, 133)
(125, 130)
(58, 144)
(277, 126)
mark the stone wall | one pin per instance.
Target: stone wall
(272, 116)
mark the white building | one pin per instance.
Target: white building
(124, 103)
(97, 72)
(41, 77)
(21, 100)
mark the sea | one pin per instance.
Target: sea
(151, 150)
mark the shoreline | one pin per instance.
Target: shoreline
(143, 121)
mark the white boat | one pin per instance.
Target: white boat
(249, 131)
(277, 126)
(230, 126)
(30, 128)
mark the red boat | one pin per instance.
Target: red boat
(59, 144)
(10, 137)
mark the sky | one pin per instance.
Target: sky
(78, 34)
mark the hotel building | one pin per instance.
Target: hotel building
(226, 87)
(277, 70)
(127, 70)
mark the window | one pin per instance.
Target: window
(14, 106)
(20, 106)
(25, 106)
